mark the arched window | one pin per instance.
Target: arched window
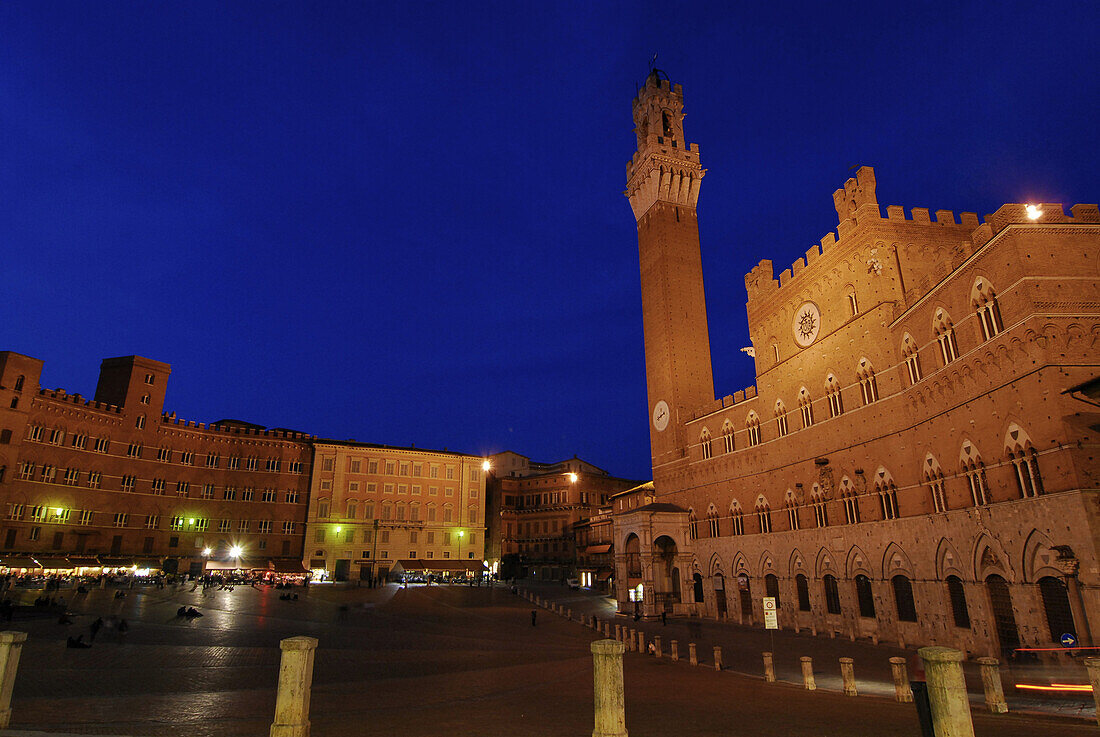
(821, 511)
(414, 512)
(791, 505)
(352, 509)
(984, 301)
(1025, 462)
(865, 596)
(712, 521)
(322, 508)
(763, 514)
(771, 587)
(933, 479)
(945, 336)
(780, 418)
(752, 424)
(693, 525)
(910, 353)
(887, 494)
(868, 387)
(974, 470)
(387, 511)
(836, 400)
(957, 594)
(727, 435)
(19, 382)
(1056, 605)
(853, 305)
(737, 518)
(704, 441)
(903, 596)
(802, 586)
(140, 423)
(805, 405)
(832, 594)
(851, 501)
(775, 352)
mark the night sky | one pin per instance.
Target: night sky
(403, 223)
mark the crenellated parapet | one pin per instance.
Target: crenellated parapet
(169, 418)
(61, 395)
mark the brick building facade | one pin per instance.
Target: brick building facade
(917, 459)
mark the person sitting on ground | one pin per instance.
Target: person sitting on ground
(77, 642)
(181, 612)
(193, 612)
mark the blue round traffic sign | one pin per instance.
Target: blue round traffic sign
(1068, 639)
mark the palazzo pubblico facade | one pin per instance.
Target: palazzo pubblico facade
(916, 462)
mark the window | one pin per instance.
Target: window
(164, 454)
(933, 478)
(450, 472)
(121, 518)
(182, 488)
(903, 596)
(390, 468)
(693, 525)
(780, 418)
(712, 521)
(15, 511)
(34, 533)
(57, 436)
(771, 588)
(145, 399)
(149, 379)
(60, 516)
(49, 473)
(821, 511)
(764, 514)
(328, 464)
(802, 586)
(19, 383)
(34, 432)
(71, 476)
(433, 472)
(791, 505)
(250, 463)
(1025, 462)
(201, 524)
(887, 494)
(212, 460)
(752, 424)
(354, 465)
(853, 306)
(288, 528)
(94, 479)
(291, 496)
(704, 442)
(945, 337)
(26, 470)
(229, 493)
(187, 458)
(207, 491)
(912, 361)
(319, 535)
(273, 465)
(418, 470)
(295, 467)
(727, 436)
(247, 493)
(102, 445)
(80, 441)
(404, 468)
(225, 526)
(806, 407)
(268, 495)
(128, 483)
(974, 470)
(264, 527)
(984, 301)
(836, 400)
(832, 595)
(243, 525)
(152, 521)
(139, 423)
(957, 594)
(38, 513)
(737, 518)
(865, 597)
(868, 387)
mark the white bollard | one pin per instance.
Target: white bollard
(848, 676)
(769, 668)
(947, 691)
(808, 673)
(11, 647)
(295, 683)
(607, 679)
(902, 692)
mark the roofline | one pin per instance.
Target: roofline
(379, 446)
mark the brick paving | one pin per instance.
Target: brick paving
(419, 661)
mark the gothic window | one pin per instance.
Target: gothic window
(791, 505)
(868, 387)
(821, 511)
(140, 422)
(851, 501)
(712, 521)
(19, 383)
(887, 494)
(957, 594)
(780, 418)
(752, 424)
(836, 400)
(945, 337)
(912, 360)
(1056, 606)
(903, 597)
(1025, 462)
(771, 587)
(763, 514)
(865, 597)
(832, 594)
(727, 435)
(805, 405)
(984, 301)
(802, 586)
(705, 442)
(693, 525)
(933, 479)
(737, 518)
(974, 470)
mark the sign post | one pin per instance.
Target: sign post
(771, 618)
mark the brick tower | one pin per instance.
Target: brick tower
(663, 181)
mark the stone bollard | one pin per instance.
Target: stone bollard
(848, 676)
(657, 645)
(619, 632)
(808, 673)
(1093, 667)
(902, 692)
(693, 658)
(674, 651)
(11, 647)
(947, 691)
(769, 668)
(607, 681)
(295, 682)
(607, 630)
(641, 642)
(991, 681)
(632, 645)
(718, 657)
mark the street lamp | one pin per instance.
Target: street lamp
(460, 534)
(486, 465)
(235, 551)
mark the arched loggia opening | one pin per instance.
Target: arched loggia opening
(666, 586)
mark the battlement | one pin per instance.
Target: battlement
(727, 401)
(169, 418)
(62, 396)
(654, 84)
(1046, 212)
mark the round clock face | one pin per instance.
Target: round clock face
(660, 415)
(807, 324)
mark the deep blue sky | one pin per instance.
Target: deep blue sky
(404, 222)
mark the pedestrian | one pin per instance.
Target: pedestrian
(664, 618)
(534, 615)
(97, 625)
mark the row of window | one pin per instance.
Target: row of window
(338, 535)
(395, 511)
(397, 468)
(370, 487)
(87, 517)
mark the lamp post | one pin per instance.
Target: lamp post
(460, 535)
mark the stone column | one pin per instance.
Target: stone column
(619, 632)
(902, 692)
(991, 681)
(657, 645)
(769, 668)
(848, 676)
(808, 673)
(674, 653)
(693, 658)
(1093, 666)
(641, 642)
(632, 639)
(607, 681)
(11, 647)
(295, 682)
(947, 691)
(718, 657)
(607, 630)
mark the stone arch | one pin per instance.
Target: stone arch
(1038, 558)
(796, 564)
(858, 562)
(895, 561)
(740, 565)
(714, 565)
(989, 558)
(767, 563)
(824, 564)
(948, 562)
(1016, 439)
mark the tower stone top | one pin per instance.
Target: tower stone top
(664, 167)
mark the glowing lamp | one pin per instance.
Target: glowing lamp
(339, 528)
(485, 465)
(572, 478)
(235, 551)
(1033, 212)
(59, 511)
(207, 551)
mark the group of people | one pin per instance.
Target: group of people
(116, 623)
(188, 612)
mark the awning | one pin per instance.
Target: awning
(54, 564)
(222, 565)
(117, 562)
(441, 565)
(84, 562)
(14, 561)
(286, 566)
(595, 549)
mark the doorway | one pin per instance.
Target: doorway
(1008, 635)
